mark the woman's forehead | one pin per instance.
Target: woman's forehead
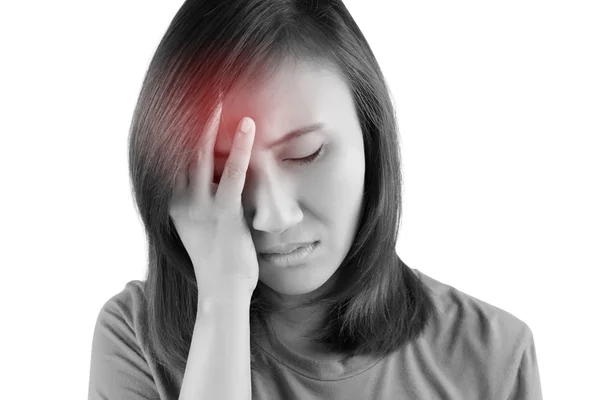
(293, 98)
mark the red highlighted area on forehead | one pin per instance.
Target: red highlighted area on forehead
(286, 103)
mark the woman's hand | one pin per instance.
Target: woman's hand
(210, 220)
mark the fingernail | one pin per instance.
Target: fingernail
(246, 125)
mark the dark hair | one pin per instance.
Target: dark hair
(376, 303)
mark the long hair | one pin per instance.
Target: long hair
(376, 304)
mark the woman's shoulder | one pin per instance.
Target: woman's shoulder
(461, 308)
(120, 361)
(465, 322)
(122, 312)
(471, 337)
(484, 327)
(128, 300)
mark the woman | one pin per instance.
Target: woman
(222, 313)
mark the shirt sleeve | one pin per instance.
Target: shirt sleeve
(118, 370)
(527, 384)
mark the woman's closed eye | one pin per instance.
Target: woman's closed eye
(306, 160)
(218, 169)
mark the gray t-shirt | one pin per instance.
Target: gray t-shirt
(470, 350)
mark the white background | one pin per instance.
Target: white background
(498, 107)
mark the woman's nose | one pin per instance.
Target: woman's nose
(272, 205)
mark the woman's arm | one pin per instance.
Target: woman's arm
(218, 365)
(527, 384)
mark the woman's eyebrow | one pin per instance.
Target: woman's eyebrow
(285, 138)
(296, 133)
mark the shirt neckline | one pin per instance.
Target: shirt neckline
(321, 370)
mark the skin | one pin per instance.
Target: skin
(287, 202)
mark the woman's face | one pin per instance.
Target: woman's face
(286, 201)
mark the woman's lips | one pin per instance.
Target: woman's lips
(298, 256)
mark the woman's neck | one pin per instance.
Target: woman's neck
(292, 331)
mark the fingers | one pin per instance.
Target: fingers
(201, 174)
(232, 182)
